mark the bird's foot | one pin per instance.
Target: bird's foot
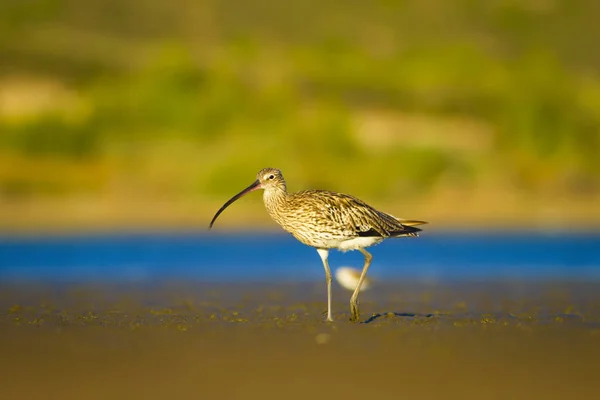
(354, 314)
(328, 318)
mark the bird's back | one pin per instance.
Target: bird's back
(323, 218)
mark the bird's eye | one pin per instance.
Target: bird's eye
(271, 176)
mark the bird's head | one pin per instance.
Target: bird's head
(267, 178)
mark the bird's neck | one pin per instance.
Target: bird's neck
(274, 198)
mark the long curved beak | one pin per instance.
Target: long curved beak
(255, 185)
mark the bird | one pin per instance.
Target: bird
(327, 220)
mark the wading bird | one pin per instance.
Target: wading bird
(327, 220)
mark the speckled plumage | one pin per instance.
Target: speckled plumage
(327, 220)
(324, 219)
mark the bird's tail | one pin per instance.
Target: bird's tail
(411, 222)
(409, 227)
(408, 231)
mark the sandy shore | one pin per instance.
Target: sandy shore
(200, 341)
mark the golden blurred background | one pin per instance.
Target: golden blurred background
(147, 114)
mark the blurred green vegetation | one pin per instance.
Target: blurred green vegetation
(191, 98)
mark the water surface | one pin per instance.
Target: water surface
(275, 257)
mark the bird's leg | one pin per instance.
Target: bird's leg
(354, 299)
(324, 253)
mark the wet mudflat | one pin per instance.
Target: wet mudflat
(500, 340)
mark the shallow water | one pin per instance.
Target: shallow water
(160, 316)
(276, 257)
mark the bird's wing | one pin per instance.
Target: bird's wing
(351, 215)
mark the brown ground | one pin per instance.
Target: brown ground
(200, 341)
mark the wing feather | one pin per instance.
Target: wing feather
(348, 215)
